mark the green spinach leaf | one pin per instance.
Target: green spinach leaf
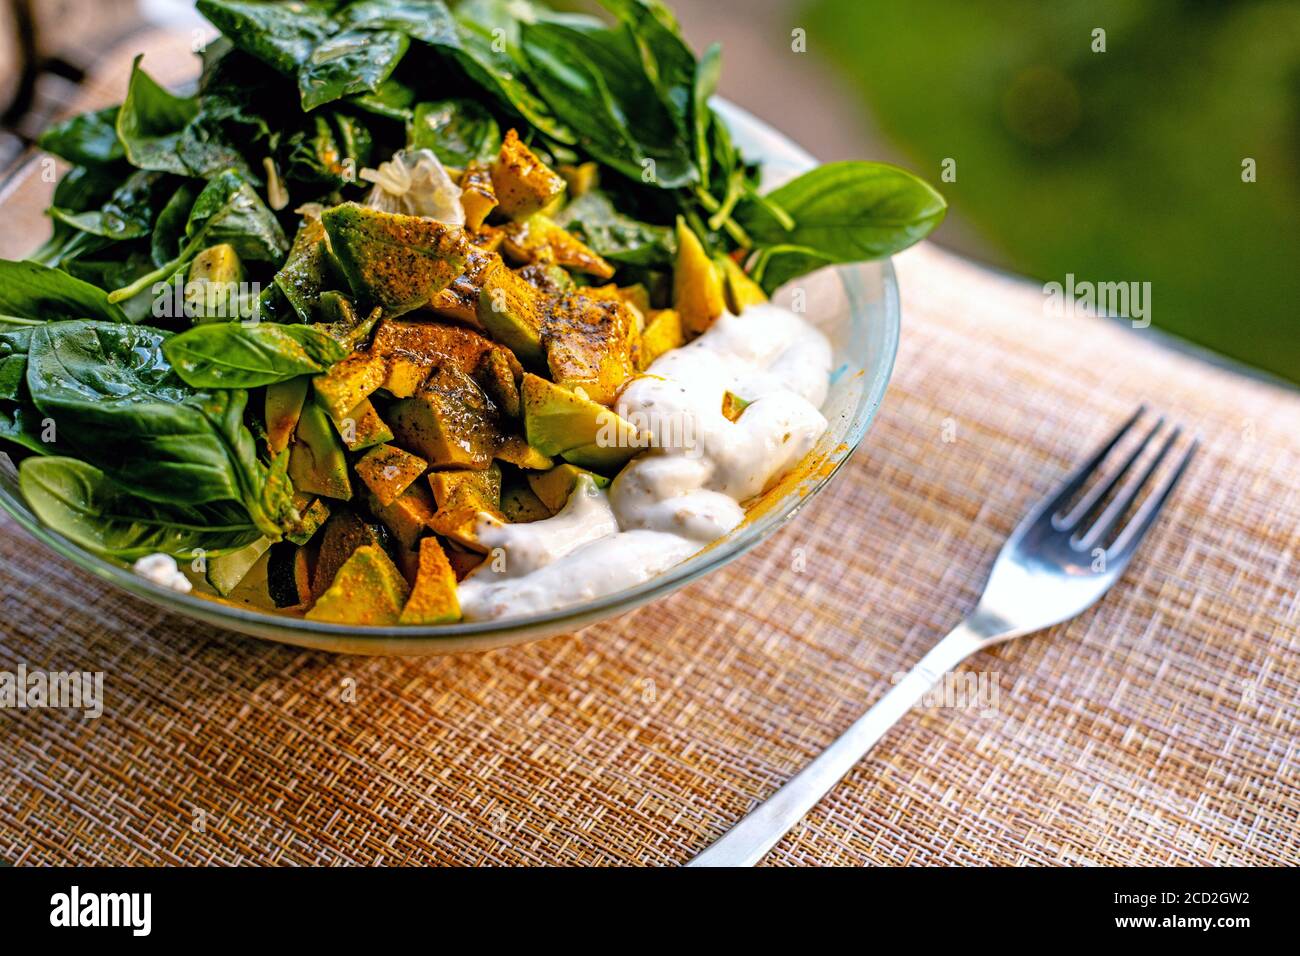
(593, 218)
(32, 291)
(458, 132)
(235, 355)
(86, 140)
(281, 34)
(80, 502)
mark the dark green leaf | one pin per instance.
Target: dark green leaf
(593, 218)
(32, 291)
(458, 131)
(707, 73)
(128, 214)
(169, 229)
(354, 61)
(235, 355)
(281, 34)
(87, 140)
(80, 502)
(847, 212)
(151, 123)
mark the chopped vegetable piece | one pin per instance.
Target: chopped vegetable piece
(317, 462)
(408, 516)
(368, 590)
(433, 600)
(478, 197)
(449, 422)
(523, 183)
(515, 451)
(558, 421)
(741, 291)
(589, 344)
(554, 487)
(662, 334)
(733, 405)
(486, 485)
(697, 288)
(389, 471)
(348, 383)
(284, 403)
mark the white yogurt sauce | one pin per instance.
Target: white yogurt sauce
(687, 490)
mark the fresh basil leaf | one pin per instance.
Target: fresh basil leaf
(32, 291)
(280, 34)
(235, 355)
(86, 140)
(847, 212)
(354, 61)
(458, 132)
(80, 502)
(667, 60)
(151, 123)
(595, 220)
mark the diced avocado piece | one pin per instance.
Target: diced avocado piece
(554, 487)
(486, 485)
(288, 575)
(343, 323)
(303, 276)
(349, 382)
(540, 239)
(662, 334)
(411, 350)
(581, 179)
(458, 518)
(362, 427)
(546, 277)
(317, 462)
(637, 296)
(434, 599)
(284, 403)
(523, 183)
(558, 421)
(311, 520)
(408, 516)
(477, 196)
(449, 422)
(521, 506)
(225, 571)
(388, 471)
(345, 531)
(459, 300)
(589, 341)
(394, 261)
(698, 296)
(733, 405)
(741, 291)
(368, 589)
(497, 373)
(515, 451)
(212, 289)
(512, 310)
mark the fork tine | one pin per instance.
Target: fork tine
(1103, 488)
(1080, 475)
(1146, 515)
(1120, 504)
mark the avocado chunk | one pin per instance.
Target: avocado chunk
(349, 382)
(512, 311)
(449, 422)
(212, 289)
(317, 462)
(284, 403)
(581, 179)
(540, 239)
(521, 506)
(288, 576)
(486, 485)
(589, 341)
(411, 350)
(662, 334)
(523, 183)
(345, 531)
(389, 471)
(433, 599)
(362, 427)
(732, 406)
(225, 571)
(515, 451)
(342, 322)
(477, 195)
(394, 261)
(457, 520)
(303, 276)
(560, 422)
(741, 291)
(310, 520)
(554, 487)
(368, 589)
(698, 296)
(459, 300)
(407, 516)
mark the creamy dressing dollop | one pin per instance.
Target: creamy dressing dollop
(684, 492)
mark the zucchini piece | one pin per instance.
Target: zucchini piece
(458, 518)
(350, 382)
(540, 239)
(433, 599)
(363, 428)
(477, 196)
(733, 405)
(226, 571)
(515, 451)
(741, 291)
(408, 516)
(288, 575)
(512, 311)
(485, 484)
(368, 589)
(521, 506)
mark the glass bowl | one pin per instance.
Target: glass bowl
(856, 306)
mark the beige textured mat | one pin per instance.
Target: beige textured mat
(1159, 728)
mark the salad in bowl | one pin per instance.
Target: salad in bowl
(413, 314)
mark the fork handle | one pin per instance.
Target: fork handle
(749, 840)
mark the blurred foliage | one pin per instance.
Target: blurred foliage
(1117, 166)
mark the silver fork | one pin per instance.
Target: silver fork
(1052, 568)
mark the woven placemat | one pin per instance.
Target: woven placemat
(1160, 728)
